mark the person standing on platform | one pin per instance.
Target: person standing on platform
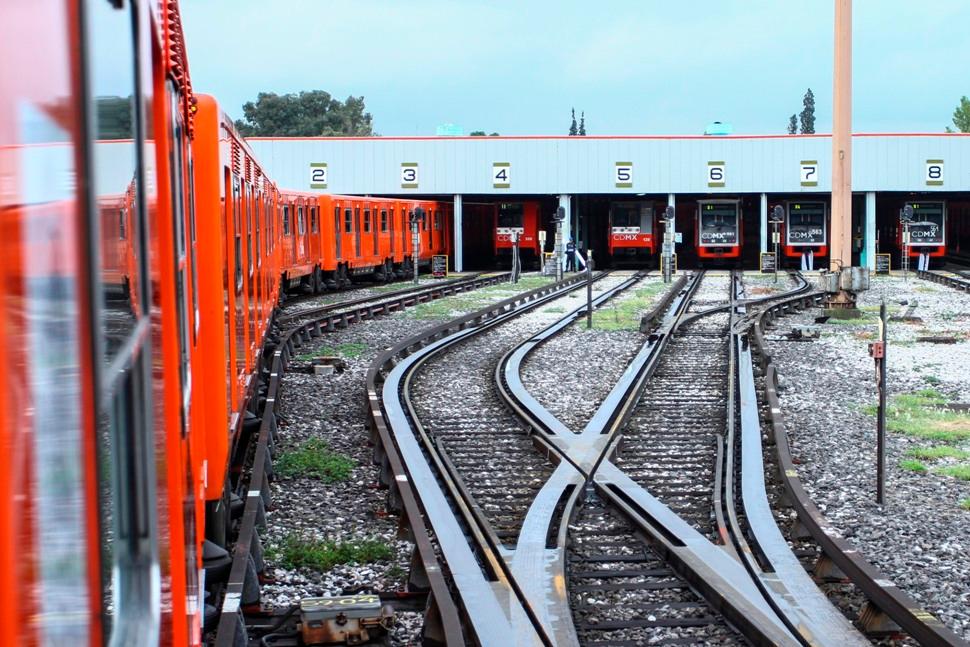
(571, 256)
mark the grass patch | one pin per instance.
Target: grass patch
(321, 555)
(938, 452)
(624, 314)
(349, 350)
(555, 309)
(961, 472)
(931, 379)
(965, 504)
(912, 465)
(920, 415)
(314, 458)
(475, 300)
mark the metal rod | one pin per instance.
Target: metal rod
(881, 420)
(589, 289)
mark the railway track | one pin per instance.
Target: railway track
(959, 282)
(252, 453)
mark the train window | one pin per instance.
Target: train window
(192, 251)
(237, 221)
(314, 220)
(286, 220)
(437, 220)
(176, 141)
(348, 221)
(122, 224)
(336, 230)
(391, 225)
(510, 214)
(357, 229)
(366, 220)
(383, 220)
(300, 221)
(246, 216)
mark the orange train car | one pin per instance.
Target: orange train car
(522, 219)
(718, 229)
(632, 224)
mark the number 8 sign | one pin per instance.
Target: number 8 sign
(934, 172)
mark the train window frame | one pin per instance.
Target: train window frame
(348, 220)
(286, 220)
(247, 199)
(300, 221)
(437, 220)
(314, 221)
(367, 221)
(237, 234)
(193, 253)
(257, 217)
(383, 220)
(122, 224)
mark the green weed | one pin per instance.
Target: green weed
(625, 314)
(961, 472)
(965, 504)
(938, 452)
(349, 350)
(302, 552)
(315, 459)
(920, 415)
(912, 465)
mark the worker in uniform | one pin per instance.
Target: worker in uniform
(571, 256)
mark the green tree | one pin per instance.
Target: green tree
(582, 124)
(807, 116)
(493, 134)
(307, 114)
(114, 117)
(793, 125)
(961, 117)
(573, 131)
(477, 133)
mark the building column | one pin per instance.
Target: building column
(671, 202)
(764, 224)
(567, 223)
(869, 233)
(459, 257)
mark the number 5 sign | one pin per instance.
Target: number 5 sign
(934, 172)
(624, 175)
(501, 175)
(318, 175)
(409, 175)
(809, 172)
(716, 174)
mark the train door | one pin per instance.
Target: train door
(376, 227)
(367, 229)
(314, 246)
(337, 232)
(392, 215)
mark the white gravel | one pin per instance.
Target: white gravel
(920, 538)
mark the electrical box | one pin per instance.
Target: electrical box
(347, 619)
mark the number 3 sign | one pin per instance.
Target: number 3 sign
(409, 175)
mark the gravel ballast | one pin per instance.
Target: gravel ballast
(920, 537)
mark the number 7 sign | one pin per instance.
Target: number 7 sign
(809, 172)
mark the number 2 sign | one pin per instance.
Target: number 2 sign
(501, 175)
(318, 175)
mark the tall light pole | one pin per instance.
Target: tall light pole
(841, 255)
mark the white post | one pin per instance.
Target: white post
(764, 223)
(672, 227)
(459, 259)
(567, 223)
(869, 235)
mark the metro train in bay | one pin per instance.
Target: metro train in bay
(145, 251)
(520, 219)
(719, 229)
(633, 224)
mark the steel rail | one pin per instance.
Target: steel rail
(768, 558)
(954, 282)
(489, 624)
(546, 424)
(889, 608)
(708, 568)
(247, 550)
(360, 306)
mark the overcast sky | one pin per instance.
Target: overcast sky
(634, 66)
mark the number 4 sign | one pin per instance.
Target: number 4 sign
(809, 172)
(318, 175)
(501, 175)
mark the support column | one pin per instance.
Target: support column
(567, 224)
(459, 257)
(841, 254)
(672, 202)
(764, 224)
(869, 233)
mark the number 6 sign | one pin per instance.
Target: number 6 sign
(716, 174)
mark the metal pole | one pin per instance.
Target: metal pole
(589, 289)
(515, 257)
(881, 420)
(841, 253)
(774, 240)
(416, 216)
(560, 214)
